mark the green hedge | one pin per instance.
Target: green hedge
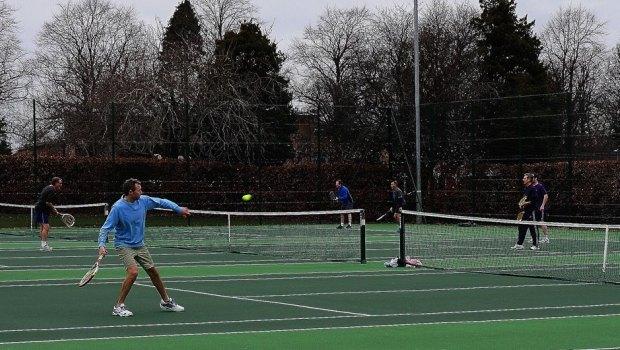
(592, 193)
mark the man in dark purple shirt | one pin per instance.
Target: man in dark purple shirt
(539, 209)
(527, 206)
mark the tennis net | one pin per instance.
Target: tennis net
(311, 235)
(18, 220)
(581, 252)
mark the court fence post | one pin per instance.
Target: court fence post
(362, 237)
(401, 255)
(606, 249)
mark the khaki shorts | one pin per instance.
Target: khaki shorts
(134, 256)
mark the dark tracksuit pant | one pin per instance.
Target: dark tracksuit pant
(523, 229)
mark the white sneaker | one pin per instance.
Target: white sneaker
(517, 247)
(545, 239)
(121, 310)
(46, 248)
(534, 247)
(170, 305)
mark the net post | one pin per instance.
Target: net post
(229, 229)
(536, 228)
(362, 237)
(32, 220)
(606, 248)
(401, 231)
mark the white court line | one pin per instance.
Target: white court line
(291, 330)
(320, 293)
(180, 263)
(258, 300)
(417, 290)
(265, 320)
(240, 277)
(91, 255)
(202, 265)
(184, 263)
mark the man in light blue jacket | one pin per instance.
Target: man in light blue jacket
(127, 218)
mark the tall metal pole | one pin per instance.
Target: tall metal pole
(416, 58)
(34, 140)
(113, 130)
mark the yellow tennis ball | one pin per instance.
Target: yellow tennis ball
(246, 197)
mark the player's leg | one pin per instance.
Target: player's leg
(341, 222)
(131, 273)
(350, 220)
(397, 220)
(521, 237)
(130, 277)
(534, 235)
(143, 257)
(43, 220)
(544, 228)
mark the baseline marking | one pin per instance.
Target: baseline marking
(305, 318)
(312, 329)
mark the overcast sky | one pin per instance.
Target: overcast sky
(289, 17)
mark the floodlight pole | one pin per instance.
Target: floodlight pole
(416, 58)
(34, 140)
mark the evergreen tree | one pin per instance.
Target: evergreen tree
(512, 129)
(181, 62)
(256, 61)
(182, 41)
(5, 148)
(509, 50)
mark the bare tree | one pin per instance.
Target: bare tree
(328, 57)
(13, 79)
(90, 54)
(574, 51)
(12, 71)
(392, 48)
(220, 16)
(609, 102)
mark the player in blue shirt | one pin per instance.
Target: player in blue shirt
(346, 202)
(127, 218)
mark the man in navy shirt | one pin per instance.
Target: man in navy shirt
(397, 199)
(128, 219)
(527, 206)
(346, 202)
(45, 207)
(539, 209)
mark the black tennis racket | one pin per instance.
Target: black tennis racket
(333, 196)
(388, 213)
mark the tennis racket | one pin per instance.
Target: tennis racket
(67, 219)
(332, 196)
(523, 202)
(389, 212)
(91, 273)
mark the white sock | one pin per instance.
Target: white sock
(43, 244)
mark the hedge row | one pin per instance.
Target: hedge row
(592, 193)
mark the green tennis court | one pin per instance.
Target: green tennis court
(251, 301)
